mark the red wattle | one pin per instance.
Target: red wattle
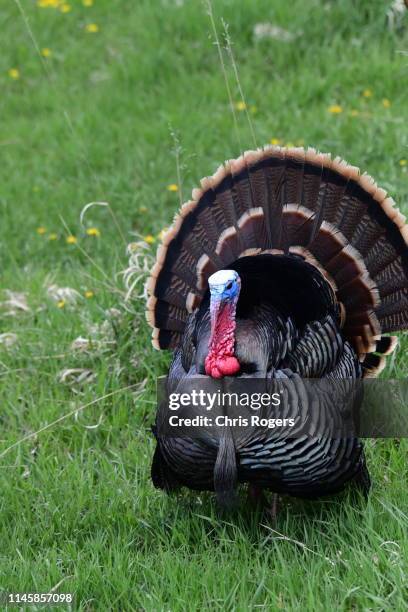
(217, 367)
(228, 366)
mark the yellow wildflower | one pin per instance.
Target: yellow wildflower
(142, 209)
(41, 230)
(367, 93)
(89, 294)
(149, 239)
(240, 106)
(60, 303)
(354, 113)
(163, 232)
(335, 109)
(87, 2)
(14, 73)
(276, 141)
(92, 28)
(93, 231)
(71, 239)
(53, 236)
(172, 187)
(386, 103)
(48, 3)
(65, 8)
(403, 162)
(46, 52)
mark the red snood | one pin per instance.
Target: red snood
(220, 360)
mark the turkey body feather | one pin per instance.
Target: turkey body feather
(320, 256)
(271, 345)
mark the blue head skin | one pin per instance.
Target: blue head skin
(225, 286)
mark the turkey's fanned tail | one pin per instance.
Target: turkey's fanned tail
(293, 202)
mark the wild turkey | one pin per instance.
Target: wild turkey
(314, 270)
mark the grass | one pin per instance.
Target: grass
(91, 123)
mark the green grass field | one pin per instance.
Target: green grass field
(90, 98)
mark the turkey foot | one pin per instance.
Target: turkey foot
(257, 499)
(256, 496)
(272, 510)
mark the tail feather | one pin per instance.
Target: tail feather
(386, 345)
(373, 365)
(352, 209)
(261, 195)
(337, 183)
(274, 179)
(311, 184)
(321, 203)
(294, 177)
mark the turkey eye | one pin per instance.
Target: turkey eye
(229, 285)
